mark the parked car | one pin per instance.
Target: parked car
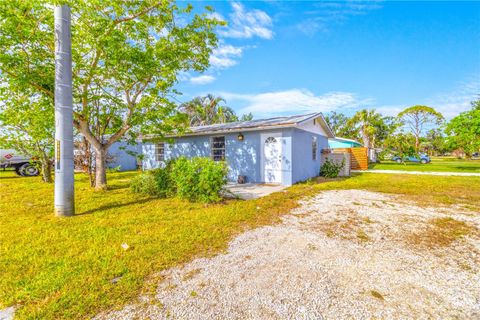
(23, 165)
(421, 158)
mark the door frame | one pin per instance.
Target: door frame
(263, 136)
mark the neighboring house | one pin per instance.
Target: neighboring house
(281, 150)
(123, 155)
(337, 142)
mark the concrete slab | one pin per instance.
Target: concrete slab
(249, 191)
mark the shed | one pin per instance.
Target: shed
(280, 150)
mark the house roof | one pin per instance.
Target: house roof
(345, 140)
(255, 125)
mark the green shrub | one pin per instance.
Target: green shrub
(331, 169)
(144, 184)
(199, 179)
(196, 179)
(155, 182)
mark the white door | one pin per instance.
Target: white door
(272, 158)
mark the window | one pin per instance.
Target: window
(270, 140)
(314, 148)
(160, 151)
(218, 148)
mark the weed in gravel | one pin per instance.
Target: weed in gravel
(377, 295)
(189, 275)
(441, 232)
(362, 236)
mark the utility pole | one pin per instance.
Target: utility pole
(64, 190)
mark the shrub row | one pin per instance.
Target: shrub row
(196, 179)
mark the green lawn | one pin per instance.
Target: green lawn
(63, 267)
(438, 164)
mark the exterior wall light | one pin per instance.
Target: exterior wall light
(240, 137)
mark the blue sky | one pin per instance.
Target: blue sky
(279, 58)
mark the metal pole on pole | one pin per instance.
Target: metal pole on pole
(64, 189)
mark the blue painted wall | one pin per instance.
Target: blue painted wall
(304, 166)
(121, 157)
(244, 157)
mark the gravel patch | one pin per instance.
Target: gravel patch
(7, 313)
(328, 259)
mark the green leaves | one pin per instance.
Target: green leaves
(464, 130)
(127, 56)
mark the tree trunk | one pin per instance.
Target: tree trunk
(417, 143)
(46, 170)
(101, 168)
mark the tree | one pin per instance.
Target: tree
(464, 130)
(371, 127)
(126, 59)
(417, 117)
(434, 142)
(401, 144)
(27, 123)
(337, 122)
(246, 117)
(208, 110)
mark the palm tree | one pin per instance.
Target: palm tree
(208, 110)
(364, 120)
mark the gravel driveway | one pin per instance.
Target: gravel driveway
(341, 255)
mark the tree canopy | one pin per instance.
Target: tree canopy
(417, 118)
(464, 130)
(210, 109)
(127, 56)
(27, 125)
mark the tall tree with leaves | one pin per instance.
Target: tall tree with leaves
(464, 130)
(363, 122)
(337, 122)
(27, 125)
(208, 110)
(127, 56)
(417, 118)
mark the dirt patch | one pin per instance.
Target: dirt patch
(341, 255)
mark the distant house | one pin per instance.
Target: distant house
(337, 142)
(281, 150)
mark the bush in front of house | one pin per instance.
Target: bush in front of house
(197, 180)
(154, 182)
(331, 169)
(144, 184)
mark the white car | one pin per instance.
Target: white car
(24, 166)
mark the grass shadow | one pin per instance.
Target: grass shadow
(114, 206)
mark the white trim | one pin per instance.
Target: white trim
(263, 137)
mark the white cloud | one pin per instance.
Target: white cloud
(451, 104)
(203, 79)
(294, 101)
(223, 56)
(328, 13)
(248, 23)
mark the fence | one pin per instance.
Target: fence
(358, 157)
(338, 158)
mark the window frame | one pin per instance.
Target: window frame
(314, 147)
(213, 148)
(160, 156)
